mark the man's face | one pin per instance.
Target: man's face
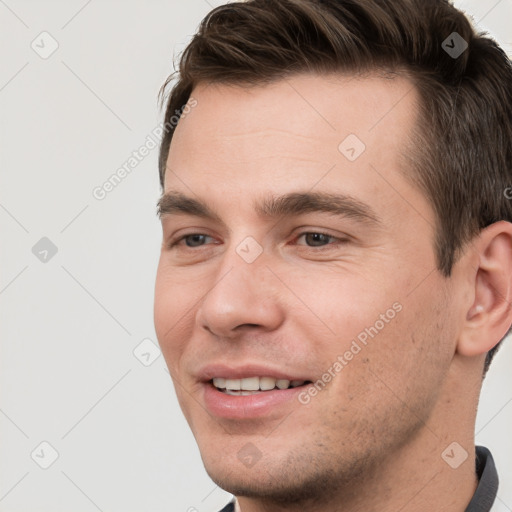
(286, 288)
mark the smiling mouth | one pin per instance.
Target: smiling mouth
(254, 385)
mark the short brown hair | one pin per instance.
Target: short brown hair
(462, 158)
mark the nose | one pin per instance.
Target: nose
(242, 296)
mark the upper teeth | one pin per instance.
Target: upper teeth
(255, 383)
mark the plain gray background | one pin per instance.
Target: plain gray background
(73, 373)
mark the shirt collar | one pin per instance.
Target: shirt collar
(488, 481)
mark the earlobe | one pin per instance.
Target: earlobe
(490, 316)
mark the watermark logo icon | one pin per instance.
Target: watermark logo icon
(454, 455)
(44, 250)
(454, 45)
(146, 352)
(45, 45)
(249, 249)
(44, 455)
(249, 455)
(352, 147)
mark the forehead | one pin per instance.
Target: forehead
(308, 105)
(306, 131)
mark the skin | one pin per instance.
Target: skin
(373, 438)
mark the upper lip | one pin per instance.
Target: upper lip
(209, 371)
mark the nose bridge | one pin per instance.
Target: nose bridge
(243, 270)
(243, 292)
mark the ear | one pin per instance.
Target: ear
(490, 316)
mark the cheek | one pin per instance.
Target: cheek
(379, 327)
(170, 316)
(347, 303)
(413, 353)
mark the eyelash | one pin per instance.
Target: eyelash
(175, 243)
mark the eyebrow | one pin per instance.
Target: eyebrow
(294, 203)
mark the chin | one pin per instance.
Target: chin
(293, 478)
(277, 488)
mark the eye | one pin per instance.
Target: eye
(192, 240)
(317, 239)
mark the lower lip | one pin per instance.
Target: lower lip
(249, 406)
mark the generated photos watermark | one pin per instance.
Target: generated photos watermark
(151, 142)
(356, 347)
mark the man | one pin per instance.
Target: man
(336, 266)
